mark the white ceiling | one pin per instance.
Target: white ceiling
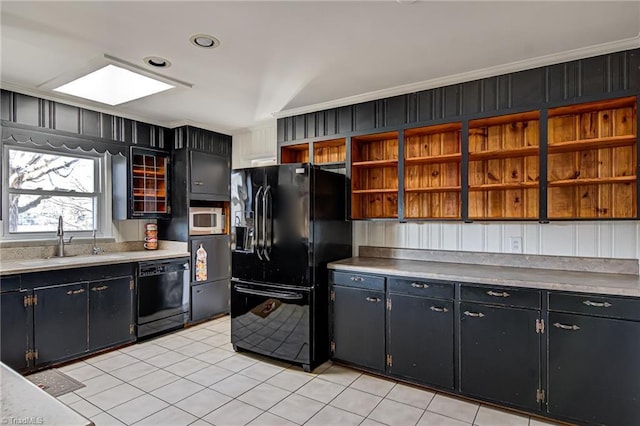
(293, 56)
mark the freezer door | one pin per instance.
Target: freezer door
(247, 188)
(272, 320)
(285, 225)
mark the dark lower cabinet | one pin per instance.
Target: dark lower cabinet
(420, 339)
(60, 322)
(594, 369)
(218, 252)
(359, 326)
(209, 299)
(16, 322)
(110, 312)
(500, 354)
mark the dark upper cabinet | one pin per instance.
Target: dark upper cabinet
(141, 185)
(210, 176)
(16, 312)
(111, 312)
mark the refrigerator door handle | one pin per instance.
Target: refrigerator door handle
(256, 221)
(274, 294)
(266, 211)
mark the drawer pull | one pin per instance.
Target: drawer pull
(419, 285)
(474, 314)
(357, 279)
(435, 309)
(71, 292)
(597, 304)
(198, 182)
(498, 294)
(566, 327)
(373, 299)
(104, 287)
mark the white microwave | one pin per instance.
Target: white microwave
(206, 220)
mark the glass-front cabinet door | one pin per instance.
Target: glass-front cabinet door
(149, 183)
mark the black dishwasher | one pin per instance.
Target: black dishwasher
(163, 296)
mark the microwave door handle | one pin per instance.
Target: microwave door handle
(266, 216)
(256, 221)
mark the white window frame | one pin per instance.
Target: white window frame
(102, 191)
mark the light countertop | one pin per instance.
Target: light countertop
(24, 403)
(546, 279)
(20, 266)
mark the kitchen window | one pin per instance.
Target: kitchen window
(41, 185)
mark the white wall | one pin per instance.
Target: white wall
(257, 143)
(619, 239)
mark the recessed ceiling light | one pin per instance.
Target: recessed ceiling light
(205, 40)
(113, 85)
(157, 61)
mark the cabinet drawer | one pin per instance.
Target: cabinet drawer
(209, 299)
(371, 282)
(11, 283)
(501, 296)
(418, 287)
(600, 305)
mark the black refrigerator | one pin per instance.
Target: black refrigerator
(287, 223)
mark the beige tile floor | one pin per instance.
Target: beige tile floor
(193, 377)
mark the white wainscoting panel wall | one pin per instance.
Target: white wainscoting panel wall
(256, 144)
(620, 239)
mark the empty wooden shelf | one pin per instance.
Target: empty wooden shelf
(432, 181)
(504, 167)
(592, 160)
(295, 153)
(374, 176)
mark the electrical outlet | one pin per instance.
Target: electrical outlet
(516, 244)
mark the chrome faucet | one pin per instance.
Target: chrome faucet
(95, 249)
(60, 235)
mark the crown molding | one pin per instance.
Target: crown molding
(526, 64)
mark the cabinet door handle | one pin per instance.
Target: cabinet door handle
(566, 327)
(357, 279)
(198, 182)
(373, 299)
(419, 285)
(474, 314)
(104, 287)
(436, 309)
(498, 294)
(71, 292)
(597, 304)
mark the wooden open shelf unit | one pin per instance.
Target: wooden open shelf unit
(592, 160)
(504, 168)
(432, 180)
(330, 152)
(374, 176)
(295, 153)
